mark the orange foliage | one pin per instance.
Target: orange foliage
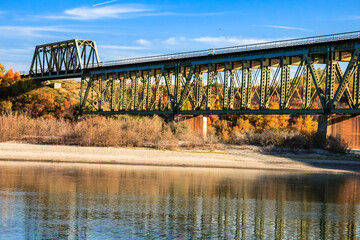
(42, 103)
(8, 77)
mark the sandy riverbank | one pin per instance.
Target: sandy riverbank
(236, 157)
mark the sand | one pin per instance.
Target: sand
(237, 157)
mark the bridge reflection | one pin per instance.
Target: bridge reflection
(88, 201)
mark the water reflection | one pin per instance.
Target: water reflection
(97, 201)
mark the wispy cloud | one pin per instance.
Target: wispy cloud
(103, 3)
(187, 44)
(225, 41)
(32, 31)
(89, 13)
(122, 47)
(284, 27)
(118, 11)
(183, 14)
(143, 42)
(15, 51)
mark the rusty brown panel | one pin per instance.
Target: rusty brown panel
(195, 123)
(347, 127)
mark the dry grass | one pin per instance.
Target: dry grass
(100, 131)
(125, 131)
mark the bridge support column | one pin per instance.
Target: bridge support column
(322, 131)
(198, 124)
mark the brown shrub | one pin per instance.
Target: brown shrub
(238, 138)
(337, 144)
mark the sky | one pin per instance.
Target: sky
(127, 29)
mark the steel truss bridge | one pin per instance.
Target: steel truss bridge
(316, 75)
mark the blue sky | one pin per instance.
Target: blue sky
(125, 29)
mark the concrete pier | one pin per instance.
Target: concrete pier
(345, 126)
(198, 124)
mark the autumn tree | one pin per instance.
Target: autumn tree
(9, 77)
(2, 73)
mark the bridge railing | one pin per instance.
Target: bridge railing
(236, 49)
(242, 48)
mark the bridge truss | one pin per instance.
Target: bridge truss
(307, 76)
(66, 58)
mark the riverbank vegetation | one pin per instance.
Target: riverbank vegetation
(127, 131)
(37, 112)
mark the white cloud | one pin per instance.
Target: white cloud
(284, 27)
(174, 40)
(122, 47)
(103, 3)
(114, 11)
(143, 42)
(171, 41)
(223, 41)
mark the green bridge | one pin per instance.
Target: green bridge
(316, 75)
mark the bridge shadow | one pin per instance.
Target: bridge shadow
(324, 159)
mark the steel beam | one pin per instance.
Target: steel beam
(210, 80)
(263, 82)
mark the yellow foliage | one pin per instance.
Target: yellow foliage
(225, 135)
(306, 125)
(5, 107)
(243, 125)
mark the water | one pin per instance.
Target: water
(59, 201)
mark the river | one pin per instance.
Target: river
(93, 201)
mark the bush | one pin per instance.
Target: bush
(266, 138)
(337, 144)
(180, 129)
(238, 138)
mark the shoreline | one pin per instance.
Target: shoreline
(243, 157)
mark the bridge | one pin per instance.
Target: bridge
(315, 75)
